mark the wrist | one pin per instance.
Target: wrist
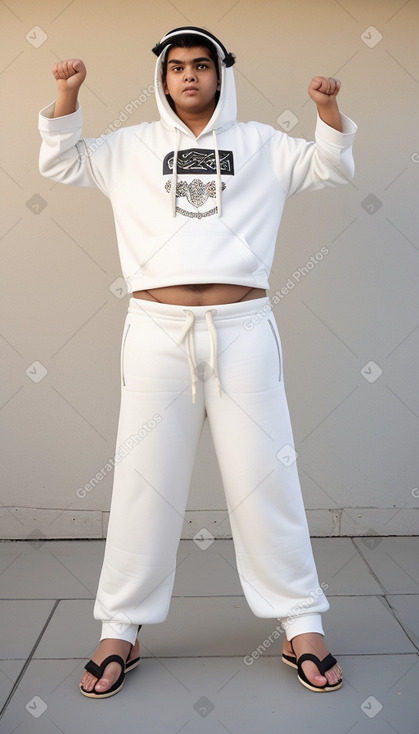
(330, 103)
(330, 114)
(66, 102)
(69, 94)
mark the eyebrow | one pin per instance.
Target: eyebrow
(194, 61)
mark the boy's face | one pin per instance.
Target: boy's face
(191, 80)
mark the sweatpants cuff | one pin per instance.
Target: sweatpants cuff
(119, 631)
(302, 624)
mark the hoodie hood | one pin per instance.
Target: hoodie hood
(225, 113)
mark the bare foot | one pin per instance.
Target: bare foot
(313, 643)
(113, 670)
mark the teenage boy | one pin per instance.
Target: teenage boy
(197, 199)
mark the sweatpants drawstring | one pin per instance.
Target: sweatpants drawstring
(213, 337)
(187, 332)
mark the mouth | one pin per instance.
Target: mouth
(190, 89)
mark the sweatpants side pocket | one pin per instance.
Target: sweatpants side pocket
(124, 339)
(278, 348)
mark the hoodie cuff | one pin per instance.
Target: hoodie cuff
(67, 123)
(342, 139)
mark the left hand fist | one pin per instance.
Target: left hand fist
(323, 90)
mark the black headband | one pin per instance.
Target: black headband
(228, 59)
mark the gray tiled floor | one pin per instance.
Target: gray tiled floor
(193, 676)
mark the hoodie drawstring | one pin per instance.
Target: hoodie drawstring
(174, 173)
(218, 183)
(187, 332)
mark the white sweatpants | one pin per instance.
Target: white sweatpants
(178, 365)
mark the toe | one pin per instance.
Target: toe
(87, 682)
(333, 675)
(312, 674)
(109, 677)
(104, 683)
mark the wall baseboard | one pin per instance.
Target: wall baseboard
(24, 523)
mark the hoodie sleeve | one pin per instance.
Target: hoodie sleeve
(67, 157)
(308, 166)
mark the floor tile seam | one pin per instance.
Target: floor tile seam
(349, 595)
(403, 593)
(191, 540)
(371, 570)
(46, 598)
(409, 634)
(29, 658)
(227, 657)
(31, 541)
(362, 595)
(341, 595)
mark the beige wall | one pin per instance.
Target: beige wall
(356, 432)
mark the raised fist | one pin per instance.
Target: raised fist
(69, 74)
(323, 89)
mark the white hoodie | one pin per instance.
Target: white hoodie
(189, 209)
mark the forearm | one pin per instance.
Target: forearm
(66, 103)
(330, 114)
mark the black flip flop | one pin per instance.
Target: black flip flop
(290, 660)
(131, 664)
(98, 671)
(323, 666)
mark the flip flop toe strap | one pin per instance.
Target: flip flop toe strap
(98, 670)
(323, 666)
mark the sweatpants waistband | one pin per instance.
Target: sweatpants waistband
(237, 310)
(202, 317)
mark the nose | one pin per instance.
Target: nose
(189, 77)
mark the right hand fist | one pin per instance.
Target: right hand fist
(69, 74)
